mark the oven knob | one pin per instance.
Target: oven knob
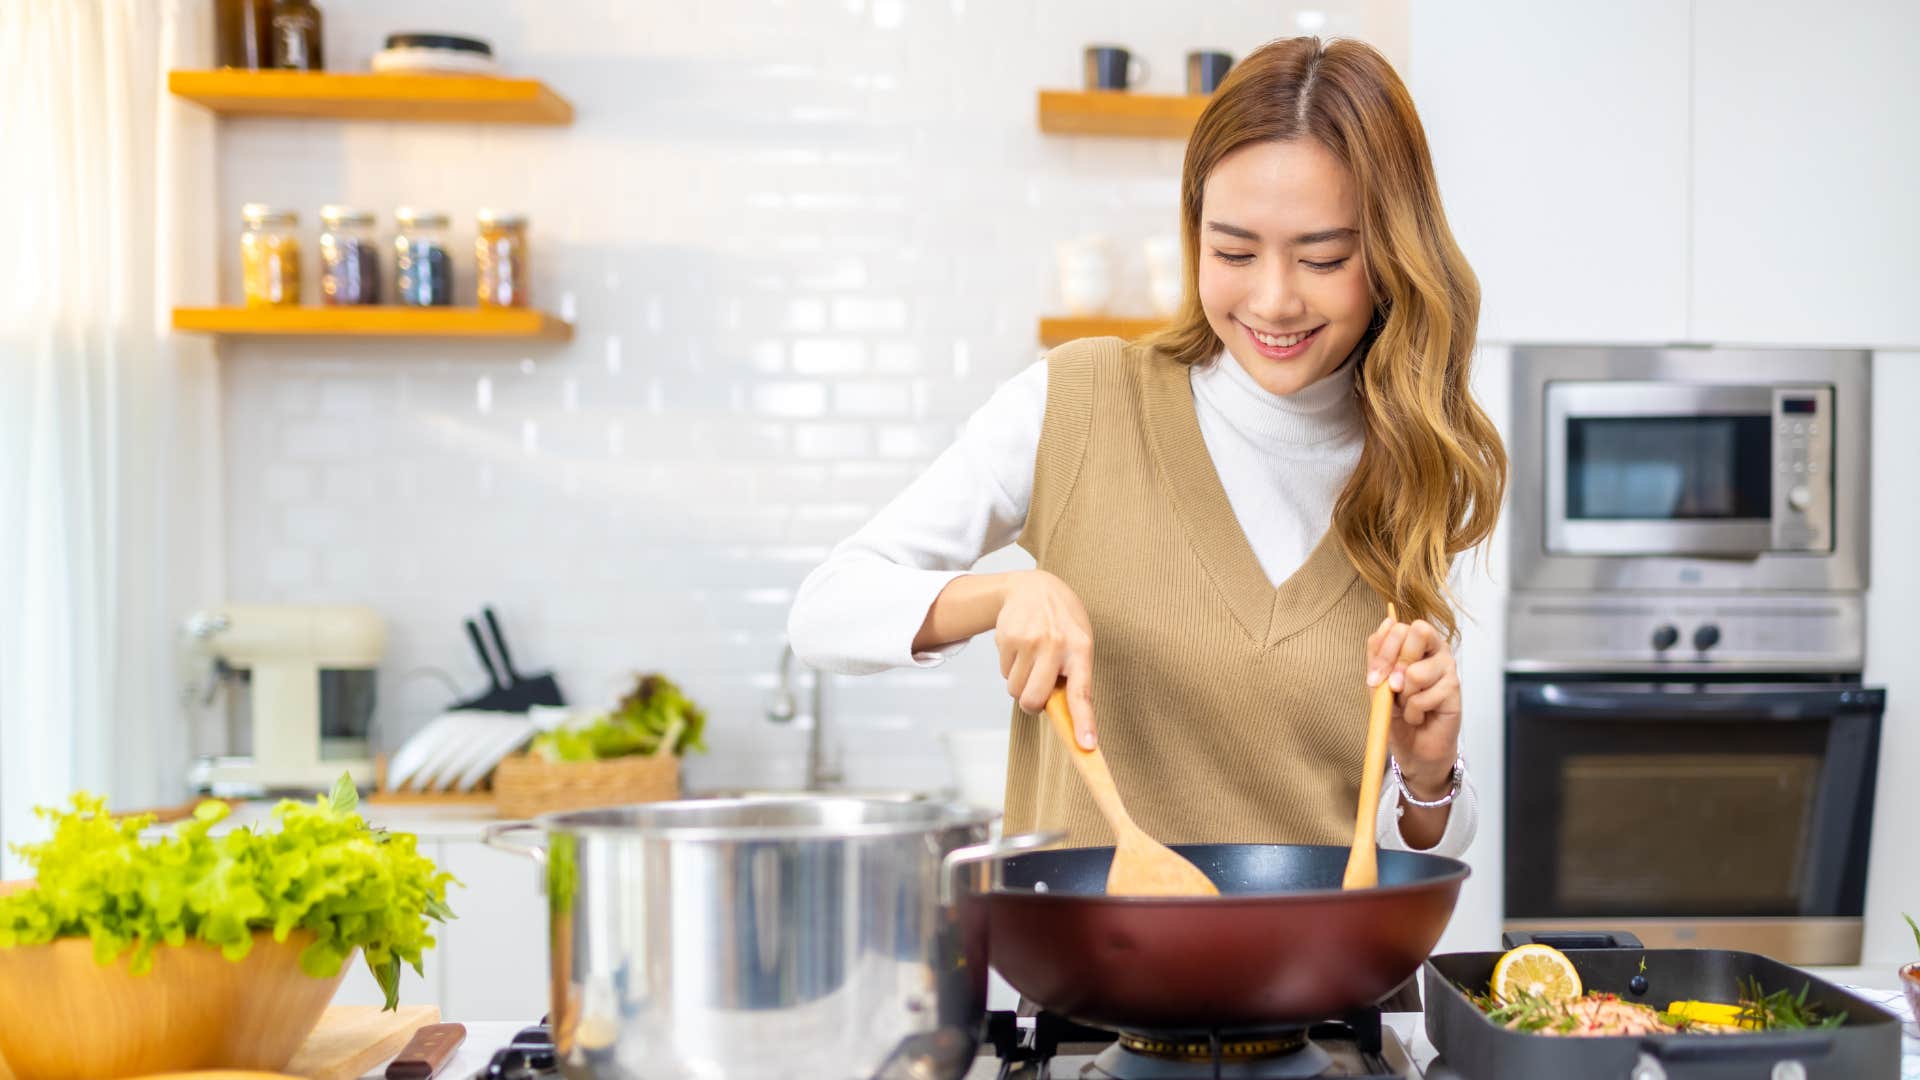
(1800, 496)
(1706, 637)
(1664, 638)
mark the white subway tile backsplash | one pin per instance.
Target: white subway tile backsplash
(906, 441)
(829, 356)
(896, 358)
(834, 441)
(872, 399)
(806, 315)
(792, 399)
(869, 314)
(801, 243)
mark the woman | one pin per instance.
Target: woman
(1220, 513)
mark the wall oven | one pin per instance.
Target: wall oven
(1690, 751)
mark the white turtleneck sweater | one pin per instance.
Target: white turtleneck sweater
(1282, 460)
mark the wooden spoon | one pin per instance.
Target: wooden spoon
(1142, 866)
(1363, 861)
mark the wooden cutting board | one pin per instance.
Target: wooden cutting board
(349, 1041)
(352, 1039)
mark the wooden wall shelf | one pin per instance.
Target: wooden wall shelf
(1062, 329)
(1152, 116)
(374, 96)
(373, 322)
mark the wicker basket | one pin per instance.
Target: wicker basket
(524, 785)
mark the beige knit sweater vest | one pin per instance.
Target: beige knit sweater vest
(1228, 709)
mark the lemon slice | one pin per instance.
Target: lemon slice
(1540, 970)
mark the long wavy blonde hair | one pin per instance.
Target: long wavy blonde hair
(1432, 471)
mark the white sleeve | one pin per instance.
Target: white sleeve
(858, 612)
(1463, 820)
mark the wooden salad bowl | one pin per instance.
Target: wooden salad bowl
(63, 1016)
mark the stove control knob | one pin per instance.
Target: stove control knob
(1665, 638)
(1706, 637)
(1800, 496)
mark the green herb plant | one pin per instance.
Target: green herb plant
(323, 872)
(1781, 1010)
(655, 718)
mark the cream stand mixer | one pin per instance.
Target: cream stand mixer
(309, 673)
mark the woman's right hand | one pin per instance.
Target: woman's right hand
(1044, 636)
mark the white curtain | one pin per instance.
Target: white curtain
(109, 424)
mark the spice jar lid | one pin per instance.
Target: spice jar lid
(263, 214)
(345, 215)
(449, 42)
(504, 218)
(414, 217)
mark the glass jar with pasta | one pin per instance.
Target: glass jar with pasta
(269, 256)
(501, 258)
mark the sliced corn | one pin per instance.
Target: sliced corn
(1706, 1012)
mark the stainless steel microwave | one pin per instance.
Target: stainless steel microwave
(1690, 468)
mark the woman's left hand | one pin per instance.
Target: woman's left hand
(1425, 737)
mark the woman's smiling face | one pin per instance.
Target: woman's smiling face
(1282, 276)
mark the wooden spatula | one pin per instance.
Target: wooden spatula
(1142, 866)
(1363, 861)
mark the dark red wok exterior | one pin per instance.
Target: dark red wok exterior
(1282, 945)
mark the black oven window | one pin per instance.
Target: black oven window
(1726, 833)
(1667, 468)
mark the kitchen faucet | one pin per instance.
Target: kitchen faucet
(782, 709)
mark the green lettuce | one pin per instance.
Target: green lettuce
(324, 871)
(656, 718)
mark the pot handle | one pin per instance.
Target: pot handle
(993, 849)
(494, 834)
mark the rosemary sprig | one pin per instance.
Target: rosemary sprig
(1781, 1010)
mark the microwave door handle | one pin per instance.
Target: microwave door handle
(1793, 705)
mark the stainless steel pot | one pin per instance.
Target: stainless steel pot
(808, 938)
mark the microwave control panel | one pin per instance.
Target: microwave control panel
(1803, 468)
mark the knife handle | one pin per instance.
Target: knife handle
(427, 1052)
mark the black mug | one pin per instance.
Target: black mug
(1206, 70)
(1110, 67)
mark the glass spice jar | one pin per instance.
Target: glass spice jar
(349, 257)
(501, 265)
(269, 256)
(422, 269)
(295, 36)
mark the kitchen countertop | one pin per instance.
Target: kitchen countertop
(428, 821)
(484, 1037)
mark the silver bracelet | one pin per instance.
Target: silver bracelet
(1459, 771)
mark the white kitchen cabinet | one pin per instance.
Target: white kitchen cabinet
(1560, 137)
(1806, 212)
(495, 955)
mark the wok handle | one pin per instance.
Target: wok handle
(494, 834)
(963, 857)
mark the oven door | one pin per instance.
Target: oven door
(1669, 468)
(1630, 801)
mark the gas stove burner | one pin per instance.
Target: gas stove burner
(1201, 1049)
(1281, 1056)
(1355, 1046)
